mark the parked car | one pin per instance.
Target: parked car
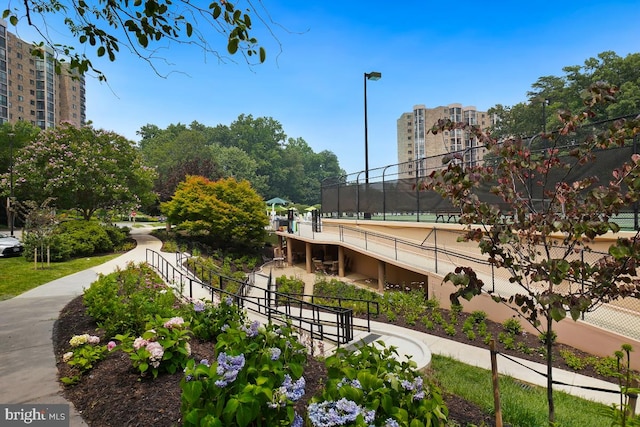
(10, 246)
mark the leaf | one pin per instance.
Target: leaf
(232, 47)
(192, 391)
(558, 313)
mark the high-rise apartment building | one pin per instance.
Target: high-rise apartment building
(419, 150)
(32, 91)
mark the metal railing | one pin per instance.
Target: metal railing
(620, 316)
(334, 324)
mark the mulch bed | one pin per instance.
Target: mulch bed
(113, 394)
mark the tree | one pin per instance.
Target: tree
(83, 169)
(140, 26)
(235, 163)
(174, 153)
(550, 209)
(255, 149)
(14, 137)
(550, 94)
(229, 212)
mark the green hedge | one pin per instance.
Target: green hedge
(72, 239)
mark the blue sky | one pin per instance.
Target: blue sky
(433, 53)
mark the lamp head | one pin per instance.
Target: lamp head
(374, 75)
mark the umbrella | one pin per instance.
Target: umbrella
(276, 201)
(311, 208)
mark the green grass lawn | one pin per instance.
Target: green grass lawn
(18, 276)
(522, 405)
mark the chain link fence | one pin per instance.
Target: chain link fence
(391, 193)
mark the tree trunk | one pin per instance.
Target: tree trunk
(549, 342)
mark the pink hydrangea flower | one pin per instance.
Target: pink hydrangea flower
(156, 352)
(174, 322)
(111, 345)
(139, 342)
(93, 339)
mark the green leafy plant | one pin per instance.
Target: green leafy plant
(209, 319)
(512, 326)
(572, 360)
(371, 386)
(163, 347)
(508, 340)
(85, 352)
(256, 379)
(124, 301)
(622, 414)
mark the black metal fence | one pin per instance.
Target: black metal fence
(334, 324)
(394, 192)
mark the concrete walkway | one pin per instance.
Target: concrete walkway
(28, 366)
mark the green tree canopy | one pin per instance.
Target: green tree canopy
(255, 149)
(553, 94)
(83, 169)
(228, 212)
(139, 26)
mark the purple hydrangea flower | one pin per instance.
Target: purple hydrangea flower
(228, 368)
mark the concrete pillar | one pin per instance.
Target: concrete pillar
(308, 255)
(340, 261)
(381, 275)
(289, 252)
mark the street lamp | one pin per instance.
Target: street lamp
(545, 102)
(374, 75)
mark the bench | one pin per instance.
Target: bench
(449, 214)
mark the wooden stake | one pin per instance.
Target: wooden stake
(494, 379)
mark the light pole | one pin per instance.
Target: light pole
(545, 102)
(10, 200)
(374, 75)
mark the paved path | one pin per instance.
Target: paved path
(28, 367)
(27, 362)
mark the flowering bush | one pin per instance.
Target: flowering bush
(164, 347)
(371, 387)
(256, 378)
(85, 352)
(123, 302)
(208, 318)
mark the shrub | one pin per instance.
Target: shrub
(478, 316)
(71, 239)
(572, 360)
(208, 319)
(371, 386)
(124, 301)
(255, 380)
(85, 352)
(512, 326)
(163, 347)
(290, 285)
